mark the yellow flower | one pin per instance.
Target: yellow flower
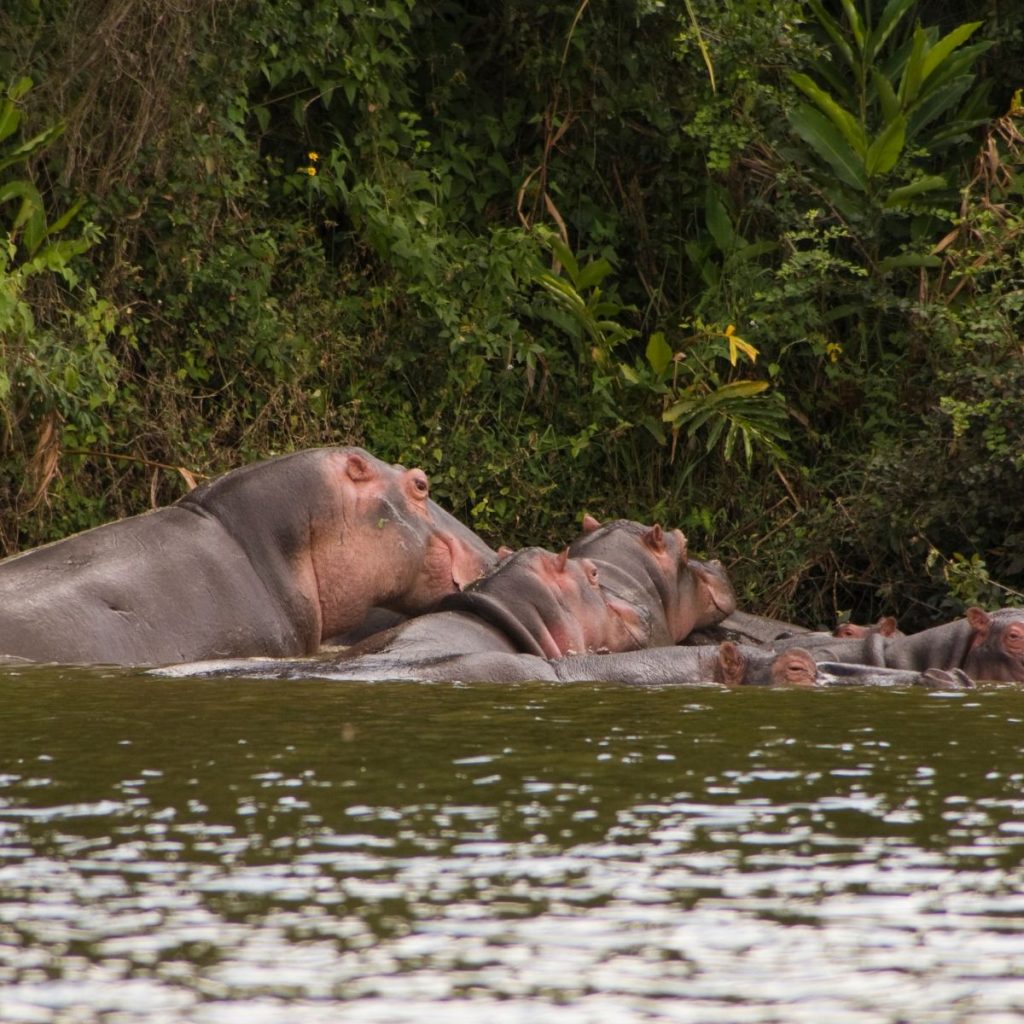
(313, 156)
(737, 345)
(311, 171)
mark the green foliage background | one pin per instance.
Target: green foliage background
(751, 269)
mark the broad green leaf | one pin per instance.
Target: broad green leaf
(699, 257)
(900, 195)
(67, 217)
(834, 76)
(701, 416)
(755, 249)
(34, 226)
(945, 46)
(718, 222)
(738, 389)
(659, 353)
(954, 66)
(25, 149)
(593, 274)
(940, 104)
(820, 134)
(913, 70)
(886, 96)
(715, 432)
(10, 118)
(890, 18)
(655, 429)
(565, 256)
(852, 130)
(885, 150)
(684, 407)
(629, 373)
(23, 190)
(20, 87)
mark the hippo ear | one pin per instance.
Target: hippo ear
(563, 557)
(358, 468)
(590, 524)
(732, 665)
(979, 621)
(887, 625)
(654, 538)
(505, 552)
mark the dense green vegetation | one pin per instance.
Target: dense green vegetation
(754, 269)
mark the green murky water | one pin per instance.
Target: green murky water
(239, 851)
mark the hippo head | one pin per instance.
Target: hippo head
(552, 605)
(885, 626)
(378, 539)
(653, 562)
(997, 645)
(792, 667)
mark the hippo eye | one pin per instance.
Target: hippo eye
(420, 485)
(592, 575)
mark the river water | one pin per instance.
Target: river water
(221, 851)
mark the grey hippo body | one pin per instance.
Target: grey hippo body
(544, 617)
(984, 645)
(265, 560)
(535, 607)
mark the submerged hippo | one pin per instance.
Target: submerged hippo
(886, 625)
(265, 560)
(534, 607)
(650, 566)
(544, 617)
(987, 646)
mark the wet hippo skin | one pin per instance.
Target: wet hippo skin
(544, 617)
(985, 645)
(534, 607)
(265, 560)
(651, 566)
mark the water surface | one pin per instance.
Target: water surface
(218, 851)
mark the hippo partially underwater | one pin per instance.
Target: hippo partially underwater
(269, 559)
(545, 617)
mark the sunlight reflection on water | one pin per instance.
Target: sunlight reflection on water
(238, 851)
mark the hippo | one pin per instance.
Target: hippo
(650, 566)
(987, 646)
(535, 606)
(543, 617)
(734, 664)
(886, 625)
(265, 560)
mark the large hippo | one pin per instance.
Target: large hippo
(650, 566)
(541, 616)
(265, 560)
(987, 646)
